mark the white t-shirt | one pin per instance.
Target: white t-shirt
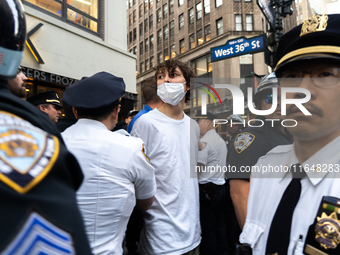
(266, 191)
(116, 172)
(214, 156)
(172, 223)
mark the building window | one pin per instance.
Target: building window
(198, 11)
(130, 19)
(165, 31)
(202, 66)
(141, 29)
(172, 51)
(206, 7)
(141, 48)
(130, 3)
(218, 3)
(146, 5)
(159, 15)
(166, 54)
(238, 22)
(249, 22)
(191, 16)
(181, 21)
(172, 28)
(150, 21)
(135, 50)
(159, 36)
(199, 36)
(146, 44)
(192, 41)
(182, 46)
(246, 66)
(207, 33)
(171, 6)
(134, 16)
(180, 2)
(147, 66)
(160, 57)
(165, 11)
(130, 37)
(134, 34)
(219, 26)
(247, 0)
(152, 62)
(150, 4)
(141, 10)
(151, 42)
(146, 25)
(134, 2)
(141, 69)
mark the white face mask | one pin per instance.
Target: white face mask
(171, 93)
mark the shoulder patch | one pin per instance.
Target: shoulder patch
(204, 144)
(242, 141)
(145, 154)
(39, 236)
(26, 153)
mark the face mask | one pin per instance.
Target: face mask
(171, 93)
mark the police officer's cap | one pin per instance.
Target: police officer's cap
(267, 82)
(209, 116)
(47, 97)
(131, 113)
(318, 37)
(95, 92)
(236, 117)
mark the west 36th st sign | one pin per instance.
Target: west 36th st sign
(238, 46)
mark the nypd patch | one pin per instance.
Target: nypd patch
(26, 153)
(39, 236)
(242, 141)
(204, 144)
(145, 154)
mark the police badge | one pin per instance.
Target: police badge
(242, 141)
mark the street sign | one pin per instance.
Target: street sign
(267, 11)
(237, 47)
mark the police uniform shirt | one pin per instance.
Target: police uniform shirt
(213, 155)
(116, 172)
(38, 181)
(249, 145)
(267, 189)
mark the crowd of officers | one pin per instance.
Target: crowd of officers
(74, 192)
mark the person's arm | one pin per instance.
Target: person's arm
(144, 204)
(239, 192)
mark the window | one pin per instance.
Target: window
(151, 42)
(172, 28)
(134, 34)
(147, 66)
(141, 29)
(130, 37)
(130, 3)
(171, 6)
(219, 26)
(159, 15)
(192, 41)
(191, 16)
(130, 19)
(159, 36)
(202, 66)
(172, 51)
(249, 22)
(150, 21)
(146, 44)
(206, 7)
(141, 10)
(165, 11)
(84, 15)
(246, 66)
(146, 25)
(180, 2)
(218, 3)
(160, 57)
(150, 4)
(182, 46)
(207, 33)
(141, 48)
(166, 54)
(134, 16)
(152, 62)
(146, 5)
(165, 31)
(181, 21)
(135, 50)
(199, 36)
(247, 0)
(238, 22)
(141, 69)
(198, 11)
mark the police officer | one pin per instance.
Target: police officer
(253, 143)
(116, 169)
(294, 210)
(235, 123)
(211, 179)
(47, 102)
(38, 175)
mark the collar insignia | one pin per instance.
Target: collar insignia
(316, 23)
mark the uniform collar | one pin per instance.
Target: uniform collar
(93, 123)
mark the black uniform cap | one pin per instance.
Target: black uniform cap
(131, 113)
(47, 97)
(318, 37)
(95, 92)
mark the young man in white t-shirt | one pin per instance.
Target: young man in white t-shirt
(172, 223)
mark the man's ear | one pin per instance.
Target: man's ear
(42, 108)
(74, 110)
(116, 111)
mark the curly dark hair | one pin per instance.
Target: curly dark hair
(170, 66)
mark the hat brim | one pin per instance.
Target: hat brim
(59, 107)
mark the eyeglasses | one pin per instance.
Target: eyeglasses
(322, 77)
